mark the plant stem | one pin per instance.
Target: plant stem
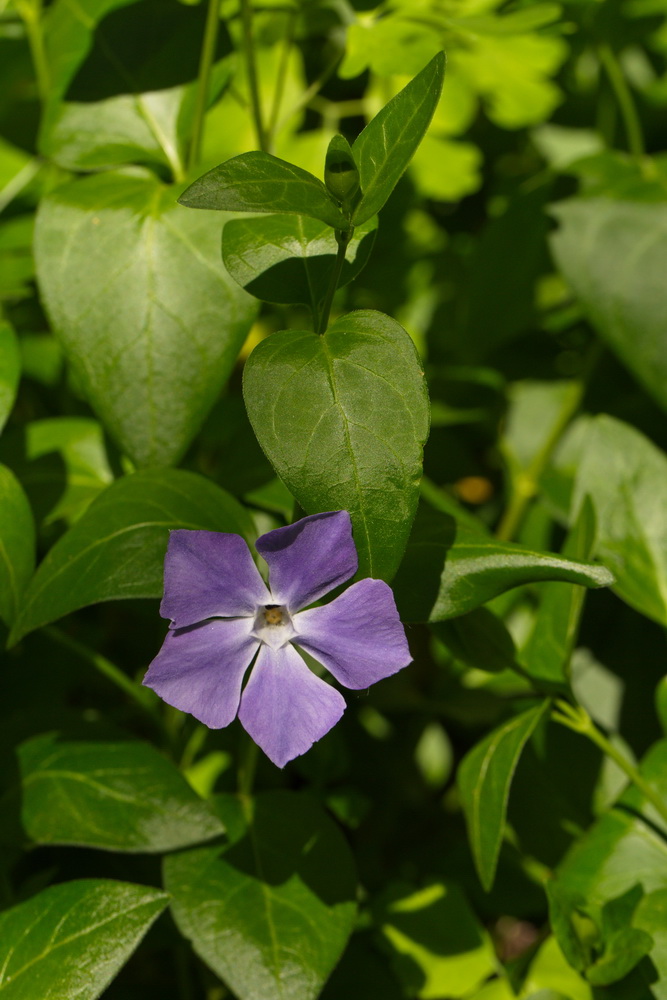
(205, 68)
(32, 18)
(343, 237)
(626, 104)
(578, 719)
(281, 77)
(247, 767)
(141, 696)
(251, 69)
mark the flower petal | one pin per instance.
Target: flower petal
(200, 669)
(309, 558)
(358, 637)
(284, 707)
(209, 574)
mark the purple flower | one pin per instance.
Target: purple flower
(224, 617)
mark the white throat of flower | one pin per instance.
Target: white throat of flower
(273, 625)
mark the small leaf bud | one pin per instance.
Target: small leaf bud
(340, 171)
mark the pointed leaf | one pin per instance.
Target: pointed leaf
(116, 550)
(114, 796)
(260, 182)
(10, 370)
(387, 144)
(17, 545)
(449, 569)
(70, 940)
(143, 306)
(290, 258)
(343, 419)
(612, 253)
(270, 911)
(484, 778)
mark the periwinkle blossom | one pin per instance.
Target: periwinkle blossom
(224, 619)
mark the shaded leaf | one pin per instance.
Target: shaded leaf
(270, 911)
(70, 940)
(10, 370)
(148, 317)
(479, 639)
(114, 796)
(484, 779)
(343, 419)
(17, 544)
(116, 549)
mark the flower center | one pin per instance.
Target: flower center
(273, 625)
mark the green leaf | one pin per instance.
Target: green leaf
(10, 370)
(626, 477)
(343, 419)
(70, 940)
(484, 779)
(622, 952)
(449, 569)
(479, 639)
(290, 258)
(114, 796)
(116, 550)
(148, 317)
(546, 654)
(270, 911)
(17, 545)
(612, 254)
(260, 182)
(387, 144)
(439, 948)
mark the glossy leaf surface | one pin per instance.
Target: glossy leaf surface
(116, 550)
(115, 796)
(612, 254)
(290, 258)
(271, 910)
(387, 144)
(10, 370)
(449, 570)
(343, 419)
(484, 779)
(71, 939)
(626, 477)
(259, 182)
(17, 544)
(138, 296)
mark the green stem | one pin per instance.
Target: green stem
(32, 18)
(578, 719)
(626, 104)
(204, 82)
(526, 484)
(247, 767)
(343, 237)
(281, 78)
(251, 69)
(141, 696)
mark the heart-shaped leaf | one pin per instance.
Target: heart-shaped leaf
(270, 911)
(343, 419)
(149, 318)
(116, 549)
(70, 940)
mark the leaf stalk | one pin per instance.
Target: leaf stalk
(206, 60)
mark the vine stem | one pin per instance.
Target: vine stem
(281, 78)
(251, 69)
(578, 719)
(626, 104)
(343, 237)
(31, 12)
(206, 60)
(247, 767)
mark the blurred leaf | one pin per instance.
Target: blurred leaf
(17, 267)
(116, 549)
(484, 779)
(113, 796)
(71, 939)
(290, 258)
(612, 254)
(270, 911)
(259, 182)
(622, 952)
(626, 477)
(439, 947)
(449, 569)
(10, 370)
(479, 639)
(148, 317)
(551, 978)
(343, 419)
(387, 144)
(17, 545)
